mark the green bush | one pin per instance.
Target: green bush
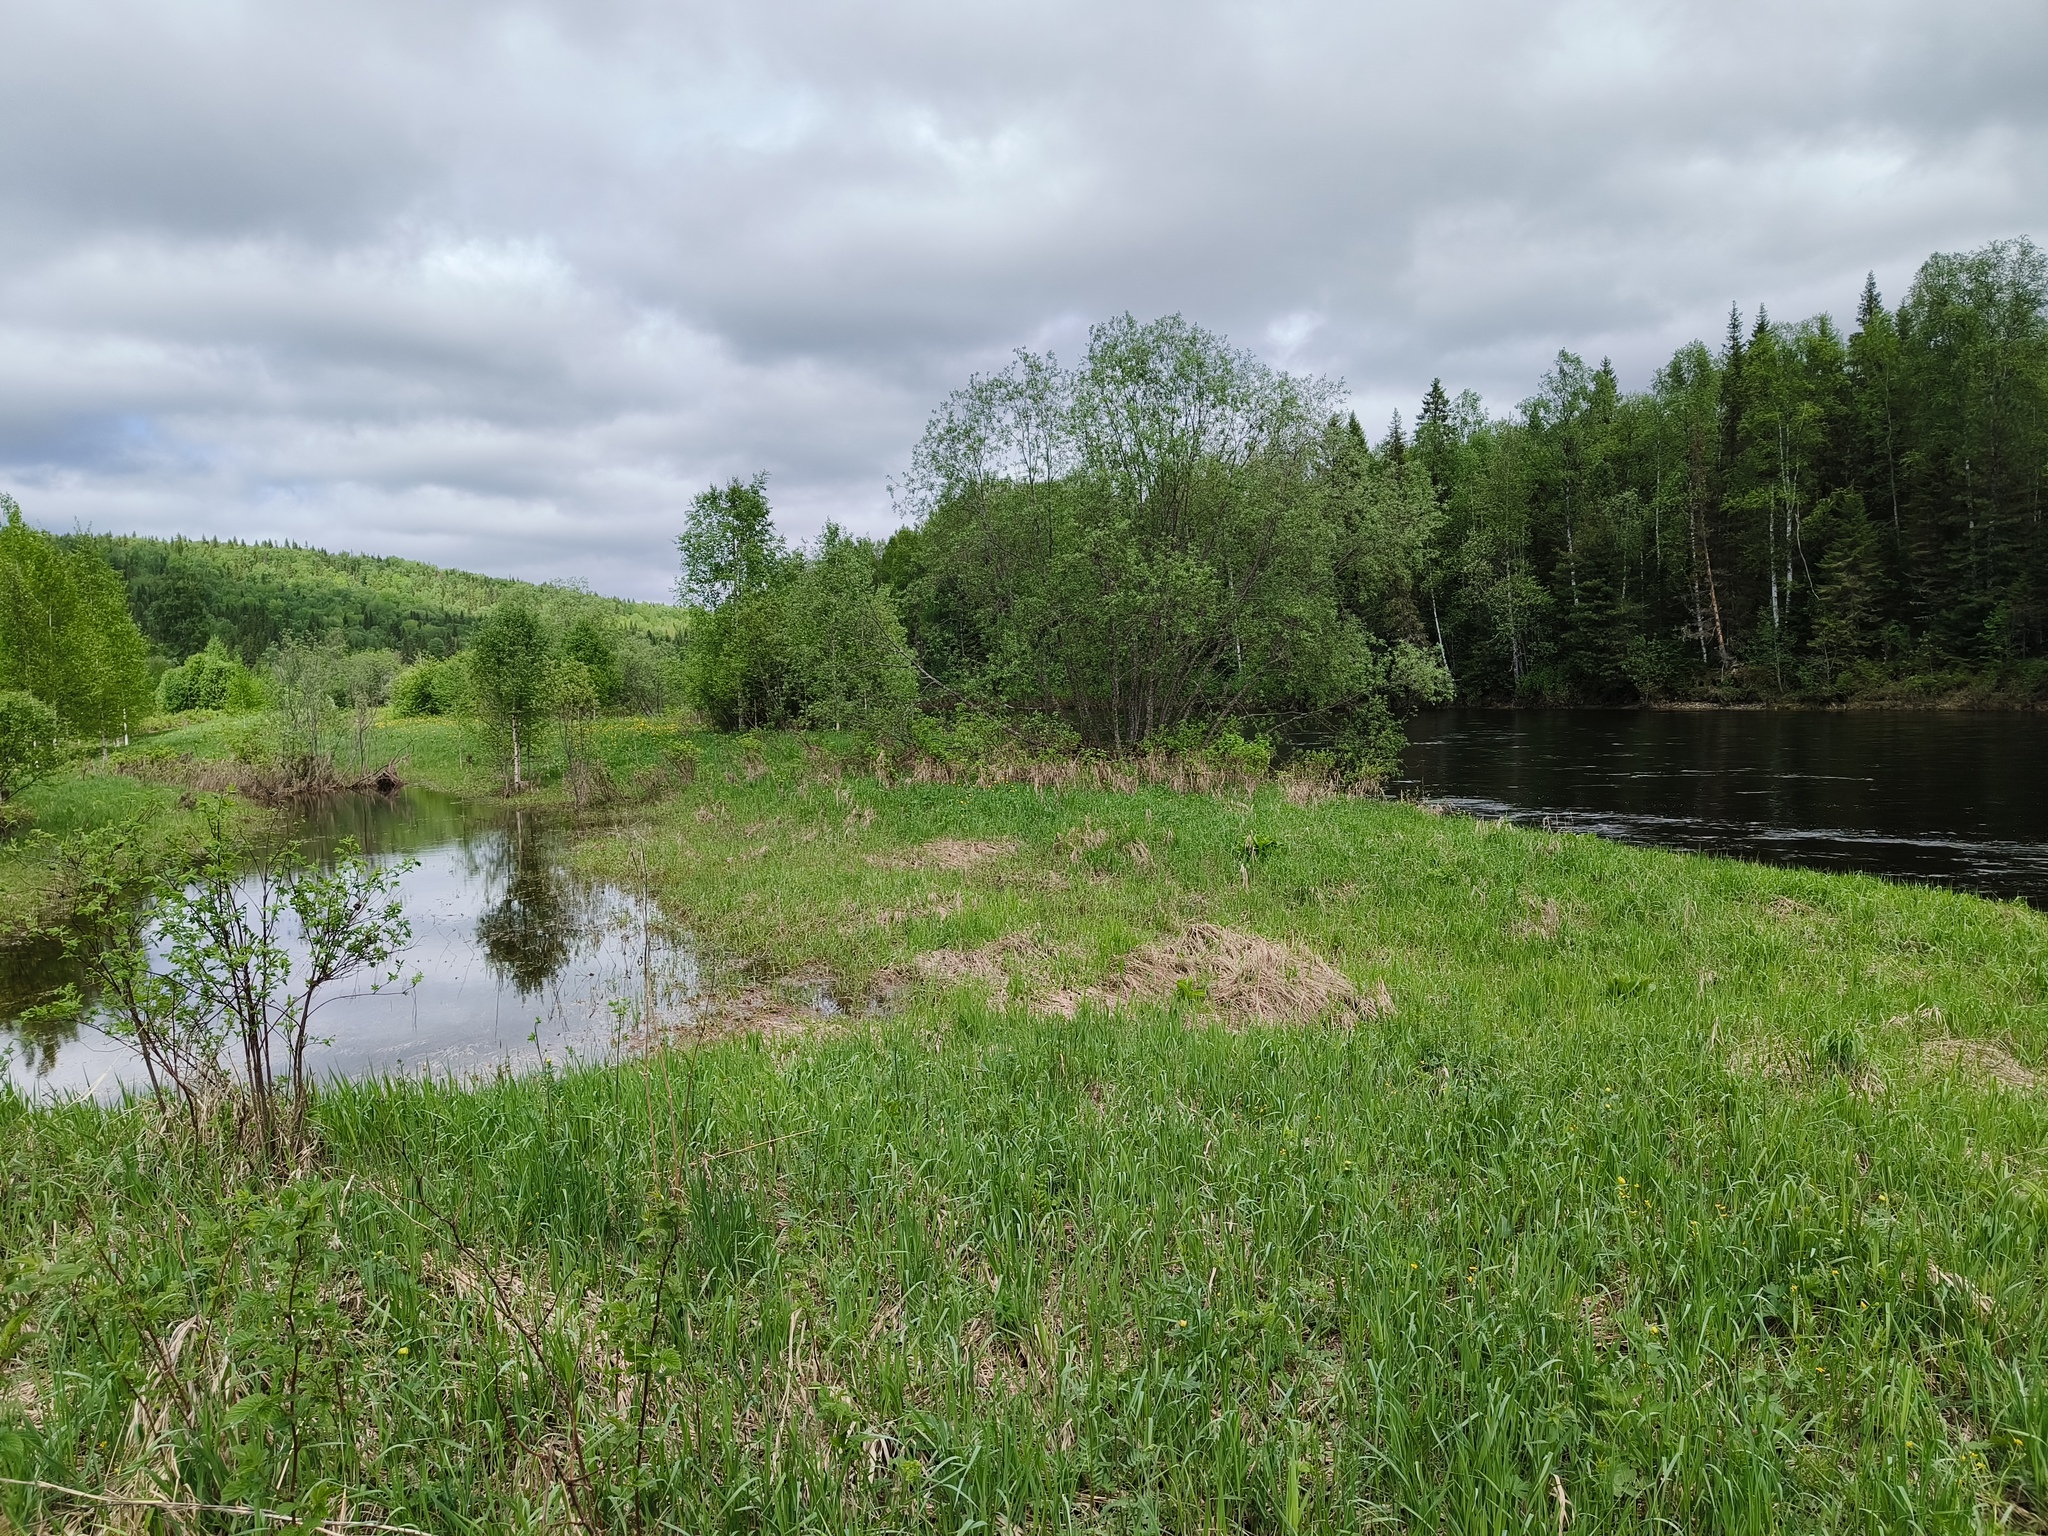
(210, 679)
(431, 687)
(29, 731)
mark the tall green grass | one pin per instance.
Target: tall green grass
(1646, 1194)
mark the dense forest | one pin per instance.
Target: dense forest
(1798, 514)
(187, 592)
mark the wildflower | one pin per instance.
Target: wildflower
(404, 1350)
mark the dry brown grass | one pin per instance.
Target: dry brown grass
(1770, 1057)
(954, 854)
(767, 1010)
(988, 968)
(1986, 1063)
(1241, 978)
(264, 783)
(1941, 1279)
(1122, 773)
(1543, 921)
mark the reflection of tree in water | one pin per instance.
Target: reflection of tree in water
(33, 973)
(528, 932)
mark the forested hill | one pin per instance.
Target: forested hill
(1797, 514)
(185, 592)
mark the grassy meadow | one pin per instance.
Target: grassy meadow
(1120, 1159)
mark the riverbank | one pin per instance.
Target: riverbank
(1133, 1160)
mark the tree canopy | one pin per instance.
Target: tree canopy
(1170, 535)
(66, 635)
(1797, 514)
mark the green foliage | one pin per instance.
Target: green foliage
(590, 642)
(431, 687)
(65, 632)
(304, 677)
(29, 731)
(729, 545)
(212, 971)
(511, 664)
(1172, 533)
(363, 682)
(1617, 1205)
(850, 660)
(1801, 514)
(210, 679)
(792, 637)
(254, 596)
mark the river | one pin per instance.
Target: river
(1950, 798)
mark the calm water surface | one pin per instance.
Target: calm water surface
(1956, 799)
(517, 961)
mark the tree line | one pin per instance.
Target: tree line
(186, 594)
(1170, 539)
(1169, 542)
(1798, 514)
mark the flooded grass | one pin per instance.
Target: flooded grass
(1575, 1185)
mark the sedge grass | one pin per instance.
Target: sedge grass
(1646, 1193)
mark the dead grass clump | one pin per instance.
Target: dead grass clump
(1770, 1057)
(1987, 1063)
(955, 854)
(1240, 977)
(769, 1011)
(1305, 789)
(1543, 922)
(936, 904)
(988, 968)
(1775, 1059)
(1944, 1280)
(1597, 1309)
(1076, 841)
(1113, 772)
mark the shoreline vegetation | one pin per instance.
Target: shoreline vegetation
(1259, 1155)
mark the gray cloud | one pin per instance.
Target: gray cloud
(503, 286)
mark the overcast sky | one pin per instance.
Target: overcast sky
(503, 286)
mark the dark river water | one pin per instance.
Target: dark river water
(1949, 798)
(514, 960)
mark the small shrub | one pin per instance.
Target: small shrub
(431, 687)
(29, 731)
(210, 679)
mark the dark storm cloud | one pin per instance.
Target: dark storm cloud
(502, 286)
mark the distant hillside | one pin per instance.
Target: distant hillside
(186, 591)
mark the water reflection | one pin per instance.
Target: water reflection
(514, 960)
(526, 932)
(1946, 797)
